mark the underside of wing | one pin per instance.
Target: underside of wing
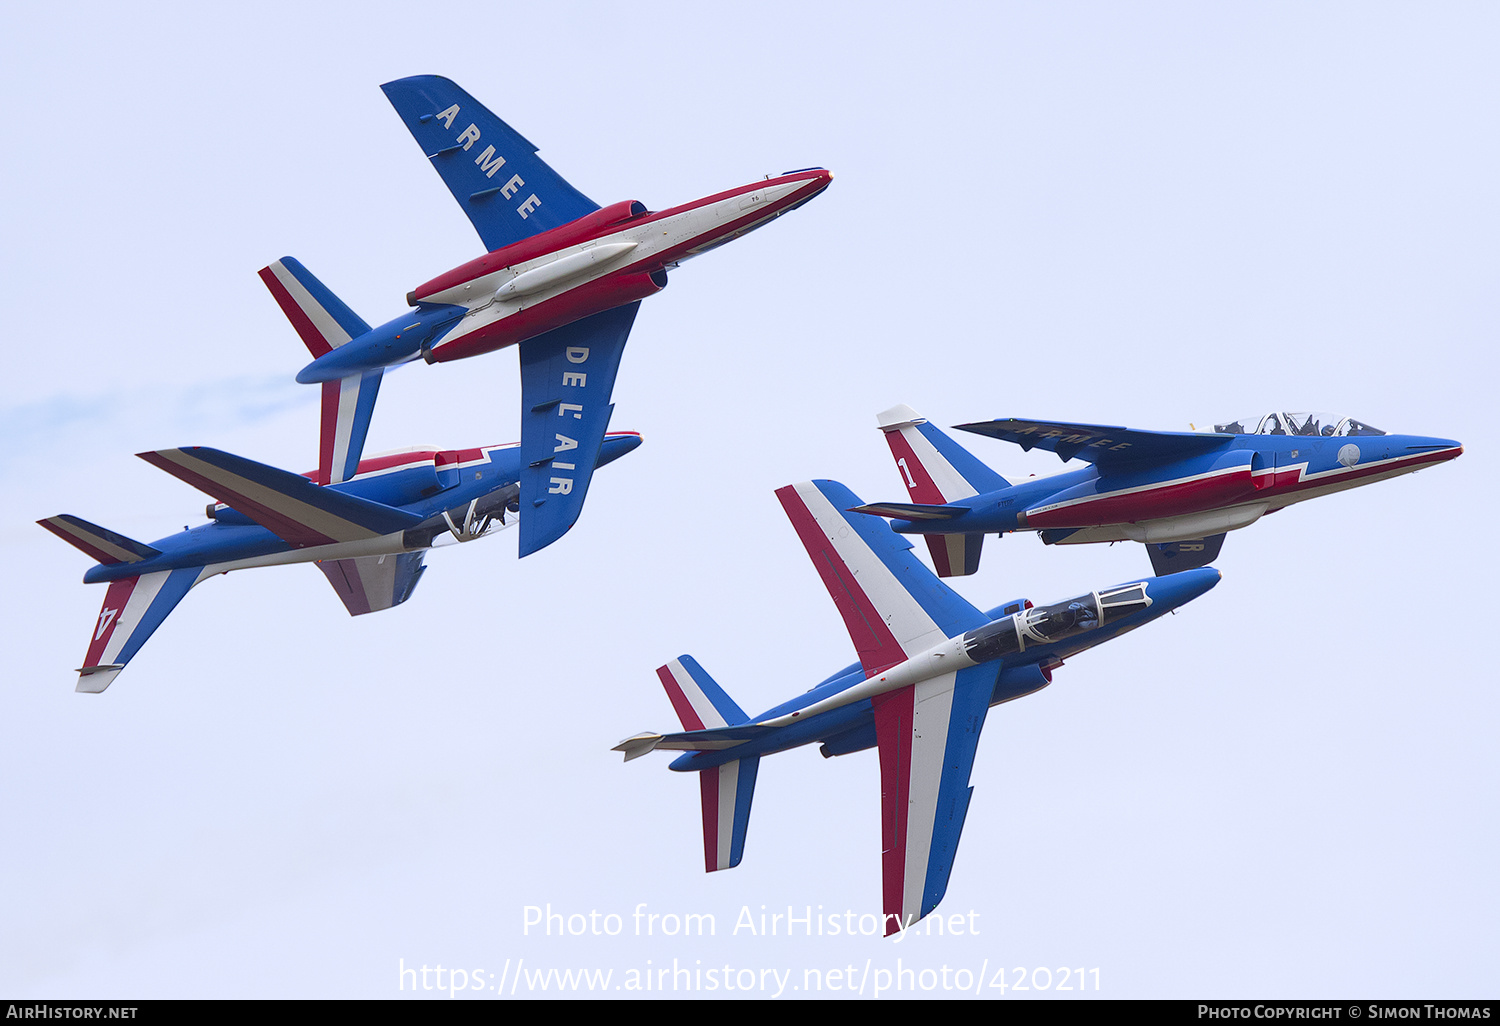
(927, 734)
(289, 505)
(1098, 443)
(567, 376)
(508, 192)
(892, 605)
(368, 584)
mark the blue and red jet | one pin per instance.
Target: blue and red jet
(366, 523)
(930, 667)
(1178, 492)
(563, 278)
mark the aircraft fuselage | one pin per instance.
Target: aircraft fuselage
(1221, 490)
(462, 483)
(616, 255)
(1025, 644)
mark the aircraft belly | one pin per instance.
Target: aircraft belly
(389, 544)
(1170, 529)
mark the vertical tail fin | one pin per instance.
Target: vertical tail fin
(726, 791)
(937, 470)
(324, 323)
(133, 609)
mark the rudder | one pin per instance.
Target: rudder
(935, 469)
(324, 323)
(725, 791)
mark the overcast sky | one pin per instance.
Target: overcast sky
(1152, 215)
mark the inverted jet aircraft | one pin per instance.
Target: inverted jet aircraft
(1178, 492)
(930, 667)
(365, 523)
(563, 278)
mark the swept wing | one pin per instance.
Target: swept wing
(288, 505)
(508, 192)
(1099, 444)
(892, 605)
(567, 376)
(927, 733)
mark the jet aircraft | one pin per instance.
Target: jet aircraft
(1178, 492)
(365, 523)
(930, 667)
(563, 278)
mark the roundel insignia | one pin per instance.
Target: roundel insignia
(1349, 455)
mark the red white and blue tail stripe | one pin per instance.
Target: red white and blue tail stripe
(892, 605)
(938, 471)
(324, 323)
(727, 790)
(133, 609)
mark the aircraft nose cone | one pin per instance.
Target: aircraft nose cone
(1177, 589)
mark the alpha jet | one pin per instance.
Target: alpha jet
(563, 278)
(930, 667)
(365, 523)
(1178, 492)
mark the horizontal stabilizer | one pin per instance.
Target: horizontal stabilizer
(714, 740)
(101, 543)
(911, 510)
(368, 584)
(1099, 444)
(289, 505)
(507, 191)
(1171, 557)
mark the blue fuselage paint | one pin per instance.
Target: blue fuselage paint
(1017, 675)
(420, 489)
(1319, 458)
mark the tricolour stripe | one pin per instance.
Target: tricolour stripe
(270, 497)
(697, 699)
(317, 322)
(104, 545)
(884, 619)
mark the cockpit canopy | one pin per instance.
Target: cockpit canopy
(1326, 425)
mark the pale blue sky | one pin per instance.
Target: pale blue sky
(1148, 214)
